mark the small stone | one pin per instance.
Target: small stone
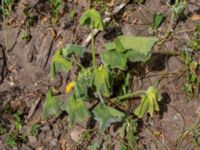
(32, 139)
(45, 128)
(25, 147)
(76, 133)
(54, 142)
(40, 148)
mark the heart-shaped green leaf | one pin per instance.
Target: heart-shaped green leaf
(114, 59)
(51, 105)
(106, 115)
(149, 103)
(59, 64)
(92, 18)
(76, 109)
(139, 48)
(102, 81)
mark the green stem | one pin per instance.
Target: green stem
(119, 98)
(93, 50)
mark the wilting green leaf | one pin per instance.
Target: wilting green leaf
(51, 105)
(139, 48)
(115, 59)
(83, 82)
(135, 48)
(149, 103)
(59, 64)
(77, 110)
(157, 20)
(72, 49)
(92, 18)
(102, 81)
(106, 115)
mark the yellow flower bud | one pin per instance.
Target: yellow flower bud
(70, 86)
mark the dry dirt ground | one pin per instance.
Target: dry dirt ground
(25, 67)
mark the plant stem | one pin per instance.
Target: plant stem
(119, 98)
(93, 51)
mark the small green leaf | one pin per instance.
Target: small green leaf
(77, 110)
(106, 115)
(149, 103)
(102, 81)
(157, 20)
(115, 59)
(59, 64)
(83, 82)
(92, 18)
(51, 105)
(72, 49)
(94, 146)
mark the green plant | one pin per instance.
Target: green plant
(26, 36)
(56, 5)
(129, 131)
(157, 21)
(17, 118)
(35, 129)
(192, 80)
(98, 84)
(11, 140)
(6, 7)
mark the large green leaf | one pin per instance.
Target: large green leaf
(139, 48)
(149, 103)
(59, 64)
(115, 59)
(110, 46)
(51, 105)
(102, 81)
(76, 109)
(71, 49)
(106, 115)
(92, 18)
(83, 82)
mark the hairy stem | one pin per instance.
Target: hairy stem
(93, 50)
(137, 93)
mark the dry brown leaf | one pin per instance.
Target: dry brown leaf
(195, 17)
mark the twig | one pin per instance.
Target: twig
(157, 139)
(105, 20)
(33, 108)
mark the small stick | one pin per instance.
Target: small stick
(105, 20)
(33, 108)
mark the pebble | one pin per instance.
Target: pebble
(45, 128)
(25, 147)
(54, 142)
(32, 139)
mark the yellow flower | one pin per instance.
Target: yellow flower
(70, 86)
